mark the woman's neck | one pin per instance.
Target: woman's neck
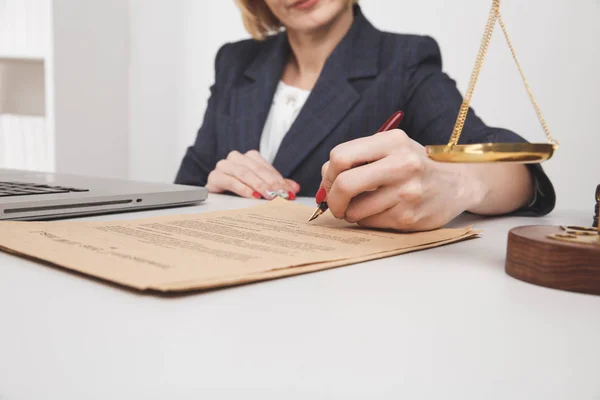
(310, 50)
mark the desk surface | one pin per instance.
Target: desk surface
(438, 324)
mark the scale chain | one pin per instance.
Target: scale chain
(494, 17)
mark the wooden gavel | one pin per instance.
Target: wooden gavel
(595, 224)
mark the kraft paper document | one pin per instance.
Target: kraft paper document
(214, 249)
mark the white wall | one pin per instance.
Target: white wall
(88, 86)
(173, 44)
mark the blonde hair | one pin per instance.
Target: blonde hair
(258, 19)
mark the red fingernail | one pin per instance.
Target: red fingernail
(292, 195)
(321, 194)
(256, 195)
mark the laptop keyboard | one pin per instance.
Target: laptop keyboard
(8, 189)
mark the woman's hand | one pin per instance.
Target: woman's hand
(250, 175)
(387, 181)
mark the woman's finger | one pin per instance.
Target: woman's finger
(382, 220)
(390, 171)
(243, 172)
(371, 203)
(397, 218)
(266, 180)
(295, 185)
(219, 182)
(269, 174)
(325, 185)
(361, 151)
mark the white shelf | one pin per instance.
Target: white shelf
(22, 87)
(25, 129)
(64, 86)
(24, 143)
(21, 57)
(24, 28)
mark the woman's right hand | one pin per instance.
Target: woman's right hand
(250, 175)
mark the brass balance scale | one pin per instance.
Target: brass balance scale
(560, 257)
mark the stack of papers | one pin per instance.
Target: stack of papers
(214, 249)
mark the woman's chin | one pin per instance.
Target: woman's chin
(308, 25)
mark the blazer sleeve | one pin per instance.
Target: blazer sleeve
(200, 158)
(432, 104)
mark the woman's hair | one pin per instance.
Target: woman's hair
(258, 19)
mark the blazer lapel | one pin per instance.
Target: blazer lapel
(333, 96)
(250, 103)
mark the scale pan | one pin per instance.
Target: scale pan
(492, 152)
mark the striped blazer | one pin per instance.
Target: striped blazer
(369, 75)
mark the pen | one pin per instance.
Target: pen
(391, 123)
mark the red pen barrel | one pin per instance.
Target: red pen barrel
(392, 122)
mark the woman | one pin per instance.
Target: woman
(295, 108)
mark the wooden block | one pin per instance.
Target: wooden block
(535, 258)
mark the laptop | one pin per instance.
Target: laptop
(26, 195)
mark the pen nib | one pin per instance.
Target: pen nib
(315, 214)
(320, 210)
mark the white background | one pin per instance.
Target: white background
(173, 44)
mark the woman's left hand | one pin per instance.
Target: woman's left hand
(387, 181)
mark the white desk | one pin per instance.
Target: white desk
(446, 323)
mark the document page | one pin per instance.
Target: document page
(213, 249)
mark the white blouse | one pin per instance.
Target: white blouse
(286, 105)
